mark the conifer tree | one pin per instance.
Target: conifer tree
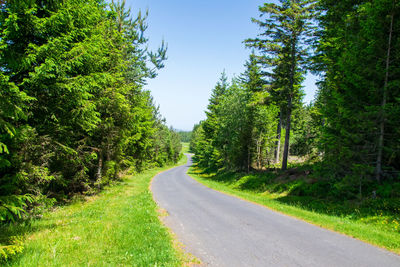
(211, 155)
(357, 55)
(259, 109)
(73, 110)
(287, 27)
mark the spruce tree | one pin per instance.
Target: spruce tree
(73, 110)
(358, 55)
(283, 43)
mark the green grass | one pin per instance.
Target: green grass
(378, 226)
(118, 227)
(185, 147)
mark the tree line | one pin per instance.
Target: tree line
(73, 108)
(185, 136)
(350, 133)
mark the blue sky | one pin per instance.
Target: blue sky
(204, 38)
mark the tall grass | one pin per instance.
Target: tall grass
(118, 227)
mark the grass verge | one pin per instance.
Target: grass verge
(374, 228)
(118, 227)
(185, 147)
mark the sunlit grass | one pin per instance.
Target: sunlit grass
(118, 227)
(185, 147)
(375, 227)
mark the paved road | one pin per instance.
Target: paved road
(225, 231)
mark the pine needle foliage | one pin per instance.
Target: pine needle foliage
(73, 109)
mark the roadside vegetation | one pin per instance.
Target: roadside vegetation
(335, 161)
(118, 227)
(74, 114)
(376, 221)
(185, 147)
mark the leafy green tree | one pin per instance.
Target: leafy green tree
(239, 128)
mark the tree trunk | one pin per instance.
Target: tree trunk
(289, 107)
(259, 151)
(287, 135)
(248, 159)
(278, 138)
(378, 169)
(99, 169)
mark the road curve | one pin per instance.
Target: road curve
(226, 231)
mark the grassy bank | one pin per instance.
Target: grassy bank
(370, 220)
(119, 226)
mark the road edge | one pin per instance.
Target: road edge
(397, 253)
(188, 259)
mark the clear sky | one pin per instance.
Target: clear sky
(204, 38)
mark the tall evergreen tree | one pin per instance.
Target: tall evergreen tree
(210, 126)
(283, 43)
(259, 109)
(358, 55)
(73, 110)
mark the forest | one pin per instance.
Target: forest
(81, 138)
(345, 144)
(73, 109)
(185, 136)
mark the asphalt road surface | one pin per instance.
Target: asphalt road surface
(225, 231)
